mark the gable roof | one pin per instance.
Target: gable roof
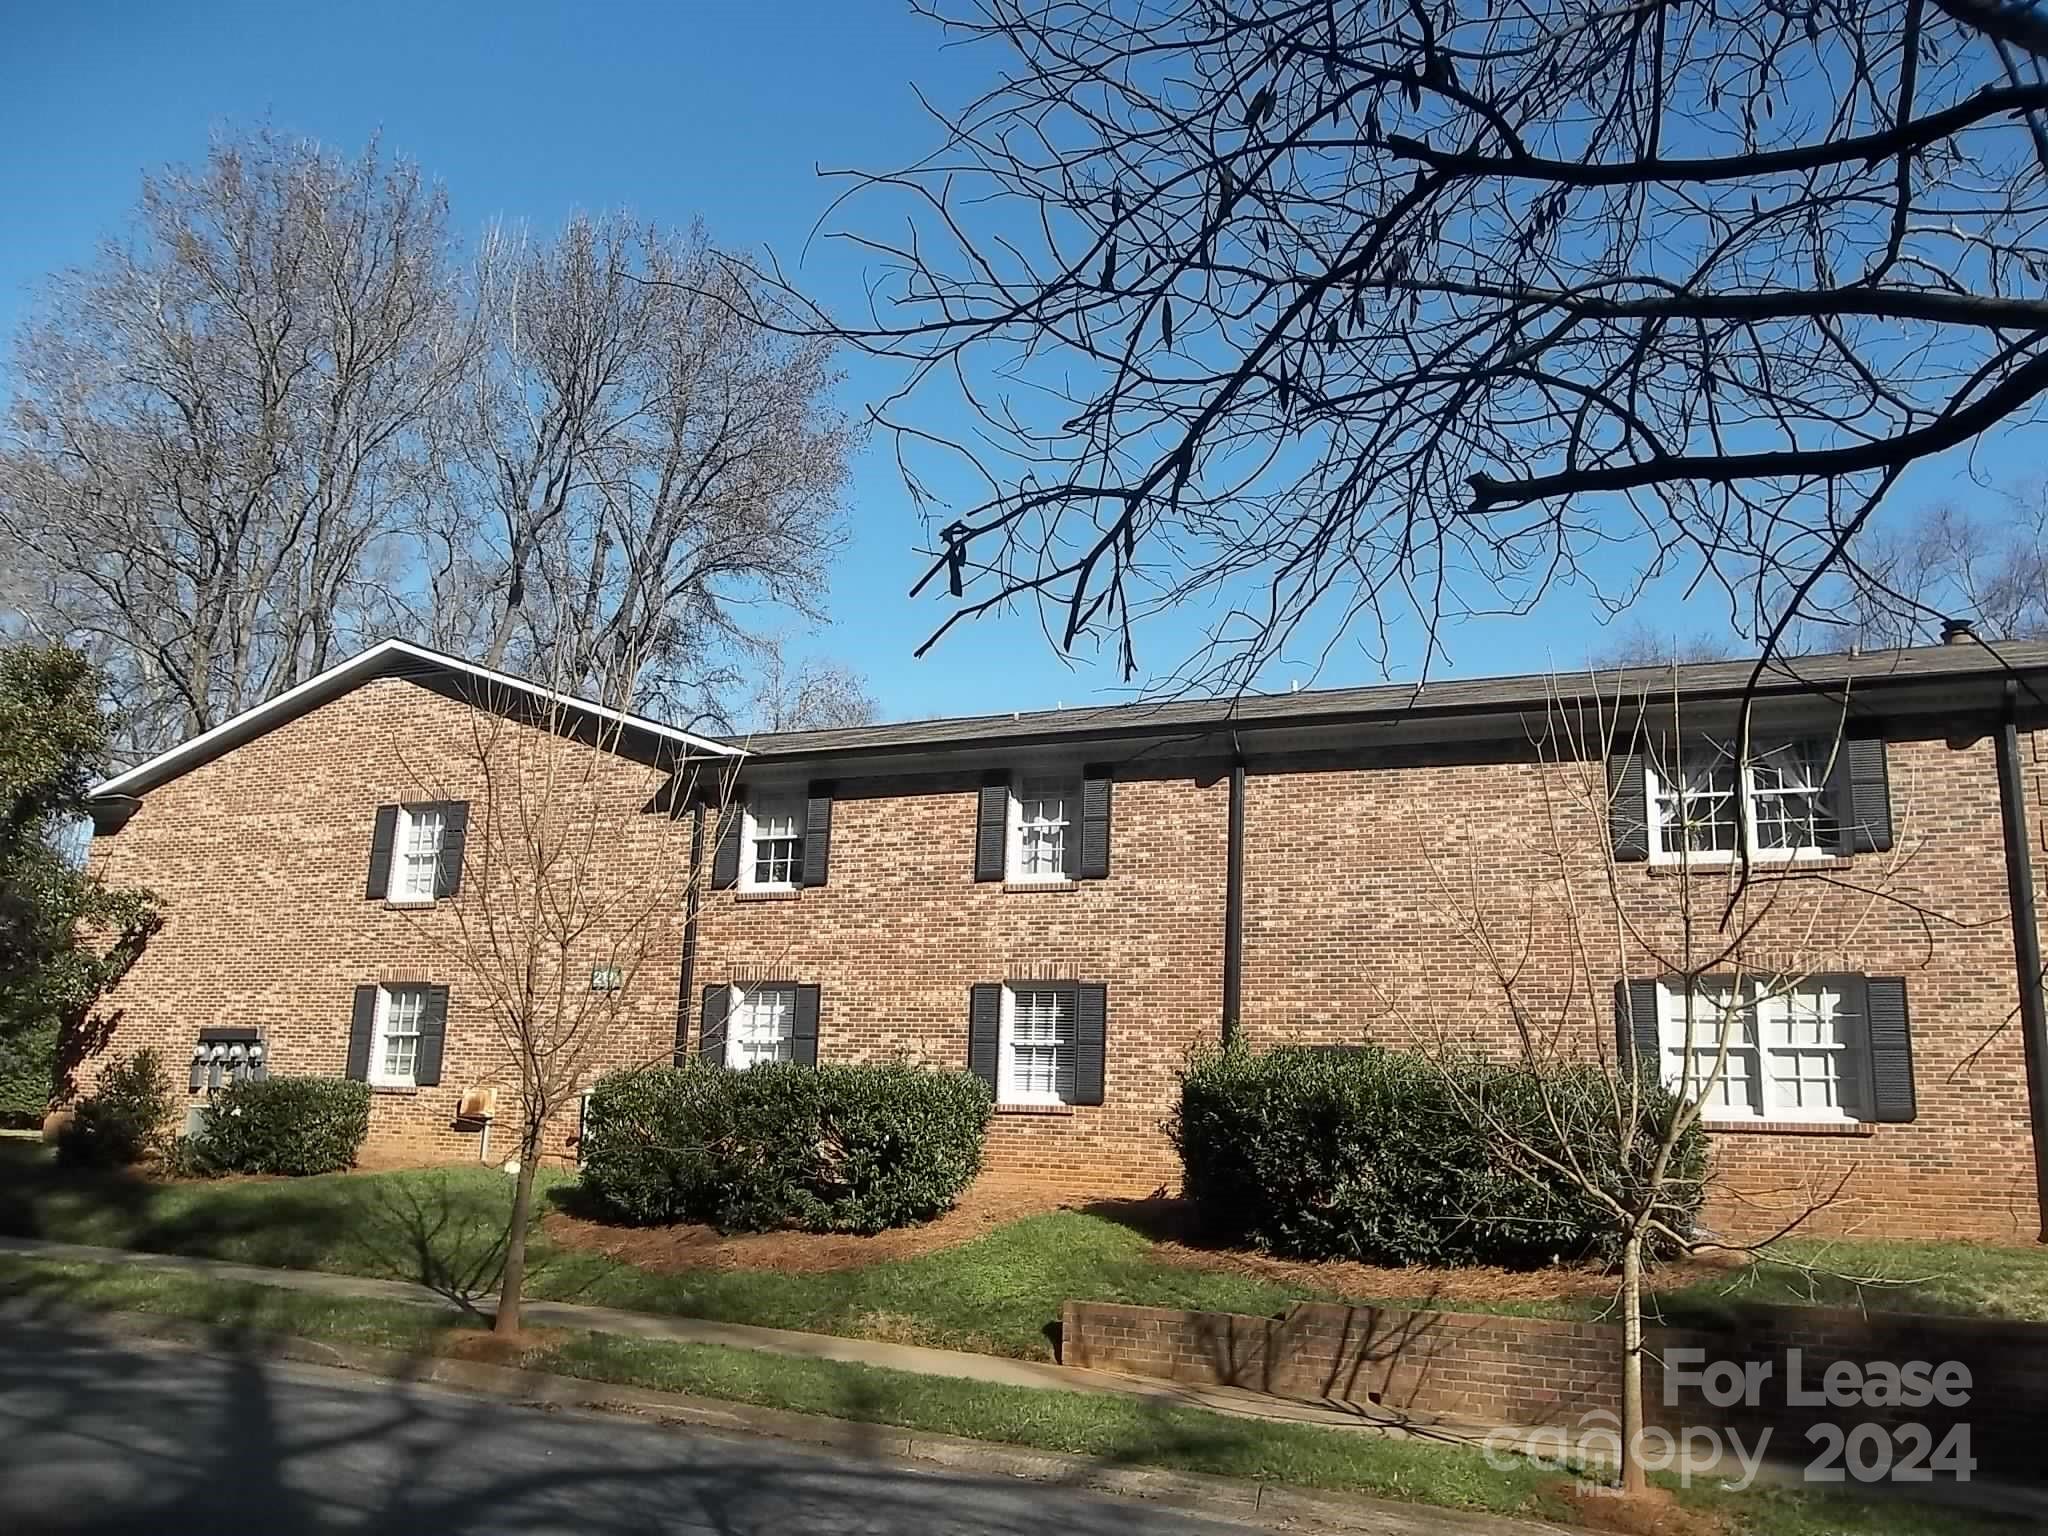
(1930, 670)
(387, 658)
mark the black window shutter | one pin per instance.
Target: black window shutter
(1095, 826)
(1628, 807)
(992, 830)
(1891, 1050)
(711, 1025)
(1091, 1020)
(984, 1031)
(426, 1064)
(454, 834)
(1636, 1034)
(361, 1025)
(818, 835)
(803, 1040)
(1866, 808)
(725, 857)
(382, 837)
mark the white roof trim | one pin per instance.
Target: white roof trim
(341, 677)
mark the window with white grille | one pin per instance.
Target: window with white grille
(1041, 827)
(1705, 804)
(775, 846)
(1788, 798)
(395, 1051)
(415, 867)
(1793, 1053)
(1038, 1045)
(761, 1026)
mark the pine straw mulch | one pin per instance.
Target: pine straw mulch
(990, 1204)
(668, 1250)
(1169, 1223)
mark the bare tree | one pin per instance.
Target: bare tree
(1989, 565)
(275, 422)
(813, 696)
(1729, 938)
(1336, 314)
(217, 424)
(1642, 644)
(577, 868)
(641, 467)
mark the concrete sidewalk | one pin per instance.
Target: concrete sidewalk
(915, 1359)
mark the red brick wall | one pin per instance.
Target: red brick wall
(1366, 889)
(1494, 1370)
(902, 929)
(1355, 879)
(261, 857)
(1539, 1372)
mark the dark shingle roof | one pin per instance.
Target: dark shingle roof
(1695, 681)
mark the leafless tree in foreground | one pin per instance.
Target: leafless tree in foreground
(577, 868)
(1730, 941)
(1362, 311)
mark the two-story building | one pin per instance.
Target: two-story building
(1070, 902)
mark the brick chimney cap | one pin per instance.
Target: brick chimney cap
(1958, 631)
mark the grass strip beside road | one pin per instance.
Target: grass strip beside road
(996, 1294)
(1115, 1430)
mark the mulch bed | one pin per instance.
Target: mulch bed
(1175, 1241)
(668, 1250)
(993, 1203)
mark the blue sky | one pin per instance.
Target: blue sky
(719, 110)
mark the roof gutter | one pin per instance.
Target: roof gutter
(1838, 689)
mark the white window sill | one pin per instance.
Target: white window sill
(409, 902)
(1717, 863)
(1862, 1128)
(1021, 884)
(1042, 1109)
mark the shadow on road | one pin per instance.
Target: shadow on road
(104, 1436)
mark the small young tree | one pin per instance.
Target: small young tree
(65, 938)
(1731, 934)
(577, 865)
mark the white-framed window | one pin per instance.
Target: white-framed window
(1037, 1061)
(416, 853)
(1043, 827)
(395, 1045)
(760, 1026)
(772, 856)
(1795, 1053)
(1706, 806)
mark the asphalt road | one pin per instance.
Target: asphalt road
(115, 1436)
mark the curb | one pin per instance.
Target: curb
(1258, 1503)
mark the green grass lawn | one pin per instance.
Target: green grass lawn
(1117, 1431)
(445, 1226)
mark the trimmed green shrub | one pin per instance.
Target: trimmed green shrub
(1385, 1157)
(291, 1125)
(125, 1120)
(822, 1149)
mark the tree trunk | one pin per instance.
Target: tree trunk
(513, 1286)
(1633, 1480)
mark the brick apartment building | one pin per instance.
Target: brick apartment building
(1070, 902)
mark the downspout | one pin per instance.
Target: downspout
(686, 985)
(2026, 941)
(1233, 902)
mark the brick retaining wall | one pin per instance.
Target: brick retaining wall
(1546, 1372)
